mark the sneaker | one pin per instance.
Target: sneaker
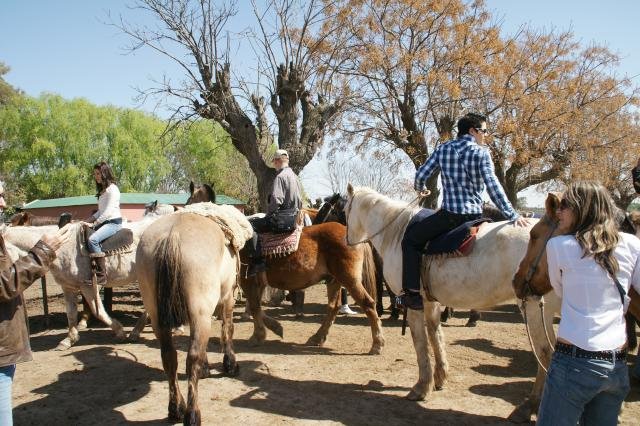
(346, 310)
(410, 300)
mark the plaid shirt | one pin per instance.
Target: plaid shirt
(466, 168)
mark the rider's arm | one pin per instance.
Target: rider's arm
(425, 171)
(555, 275)
(277, 195)
(18, 276)
(496, 193)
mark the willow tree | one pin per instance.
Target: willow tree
(286, 95)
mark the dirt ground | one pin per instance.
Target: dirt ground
(102, 381)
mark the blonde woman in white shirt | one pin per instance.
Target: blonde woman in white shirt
(592, 267)
(107, 220)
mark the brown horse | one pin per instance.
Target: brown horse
(29, 219)
(322, 255)
(534, 267)
(186, 269)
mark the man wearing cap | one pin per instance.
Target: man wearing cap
(285, 202)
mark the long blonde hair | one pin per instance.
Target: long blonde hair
(595, 226)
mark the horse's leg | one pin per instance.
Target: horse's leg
(333, 294)
(84, 315)
(140, 325)
(170, 364)
(474, 317)
(436, 338)
(229, 363)
(71, 303)
(255, 289)
(93, 299)
(523, 412)
(367, 304)
(421, 345)
(200, 326)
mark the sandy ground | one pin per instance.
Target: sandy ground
(102, 381)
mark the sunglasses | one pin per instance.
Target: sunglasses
(483, 131)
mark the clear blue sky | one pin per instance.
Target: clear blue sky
(63, 46)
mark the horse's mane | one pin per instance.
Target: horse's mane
(395, 216)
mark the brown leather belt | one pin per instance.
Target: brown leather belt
(576, 352)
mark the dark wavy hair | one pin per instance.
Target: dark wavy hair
(107, 177)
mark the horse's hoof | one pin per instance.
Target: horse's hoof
(521, 414)
(256, 340)
(471, 324)
(230, 368)
(133, 337)
(299, 315)
(204, 370)
(439, 387)
(82, 325)
(176, 412)
(375, 350)
(178, 331)
(64, 345)
(192, 418)
(316, 341)
(415, 396)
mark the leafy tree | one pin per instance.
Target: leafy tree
(7, 92)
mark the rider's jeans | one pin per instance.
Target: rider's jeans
(104, 232)
(6, 380)
(587, 391)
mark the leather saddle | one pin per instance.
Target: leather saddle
(120, 242)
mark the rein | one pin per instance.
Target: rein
(381, 229)
(529, 292)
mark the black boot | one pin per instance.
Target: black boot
(256, 265)
(100, 269)
(411, 300)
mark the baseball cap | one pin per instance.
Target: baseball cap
(280, 153)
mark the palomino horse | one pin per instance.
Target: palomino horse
(322, 255)
(531, 282)
(185, 269)
(481, 279)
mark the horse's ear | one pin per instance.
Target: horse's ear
(552, 203)
(211, 193)
(191, 187)
(155, 204)
(350, 189)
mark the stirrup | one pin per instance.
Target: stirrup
(410, 300)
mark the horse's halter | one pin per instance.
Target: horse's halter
(528, 291)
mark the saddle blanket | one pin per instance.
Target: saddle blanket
(118, 243)
(280, 244)
(457, 242)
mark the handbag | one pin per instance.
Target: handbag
(282, 221)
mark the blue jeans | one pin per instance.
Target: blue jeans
(582, 390)
(6, 380)
(103, 232)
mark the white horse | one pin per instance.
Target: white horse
(481, 279)
(71, 268)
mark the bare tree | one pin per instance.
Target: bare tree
(302, 97)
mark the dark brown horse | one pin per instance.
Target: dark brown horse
(322, 255)
(29, 219)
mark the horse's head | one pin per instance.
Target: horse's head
(352, 211)
(532, 276)
(150, 208)
(332, 210)
(201, 194)
(20, 219)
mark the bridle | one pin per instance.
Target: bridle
(528, 291)
(375, 234)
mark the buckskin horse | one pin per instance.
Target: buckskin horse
(480, 279)
(322, 255)
(187, 265)
(531, 282)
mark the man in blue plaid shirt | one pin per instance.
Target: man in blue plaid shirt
(465, 168)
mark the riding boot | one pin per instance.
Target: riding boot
(100, 269)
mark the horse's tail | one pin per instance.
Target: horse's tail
(369, 272)
(172, 309)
